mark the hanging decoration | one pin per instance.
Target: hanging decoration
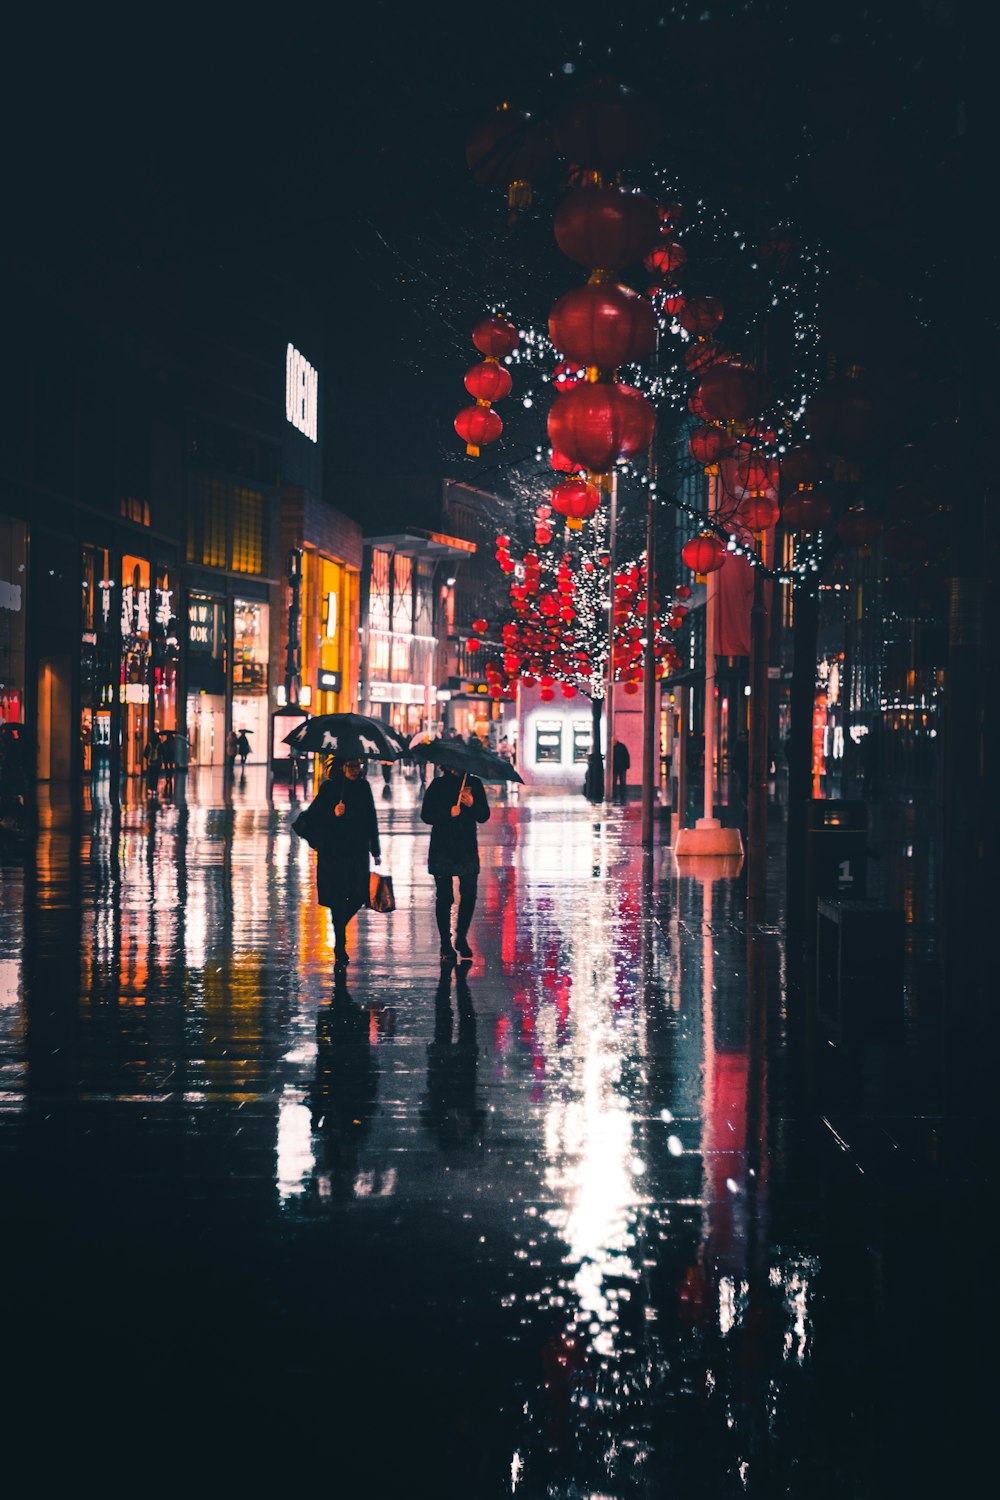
(480, 425)
(704, 553)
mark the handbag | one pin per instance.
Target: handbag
(305, 827)
(380, 896)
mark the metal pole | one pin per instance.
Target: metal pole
(650, 736)
(757, 749)
(609, 718)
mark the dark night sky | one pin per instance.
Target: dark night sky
(338, 155)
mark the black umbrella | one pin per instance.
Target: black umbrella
(400, 741)
(347, 736)
(471, 760)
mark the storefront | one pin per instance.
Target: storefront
(554, 739)
(206, 679)
(98, 658)
(251, 626)
(13, 578)
(330, 611)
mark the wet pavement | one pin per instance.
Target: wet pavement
(600, 1215)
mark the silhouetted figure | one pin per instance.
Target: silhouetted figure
(232, 747)
(620, 762)
(453, 805)
(242, 746)
(341, 824)
(168, 757)
(151, 758)
(452, 1109)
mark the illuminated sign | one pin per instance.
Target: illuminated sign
(328, 682)
(331, 617)
(301, 393)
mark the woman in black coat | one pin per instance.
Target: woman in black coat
(341, 824)
(453, 805)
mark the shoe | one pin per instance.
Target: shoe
(462, 947)
(448, 954)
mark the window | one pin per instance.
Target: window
(402, 594)
(378, 591)
(207, 525)
(248, 531)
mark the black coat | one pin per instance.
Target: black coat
(342, 844)
(454, 842)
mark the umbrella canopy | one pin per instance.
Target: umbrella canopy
(399, 740)
(471, 760)
(347, 736)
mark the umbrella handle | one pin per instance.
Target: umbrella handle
(462, 788)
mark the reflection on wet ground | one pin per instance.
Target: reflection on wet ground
(582, 1218)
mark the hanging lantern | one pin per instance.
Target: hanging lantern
(568, 690)
(495, 337)
(566, 373)
(801, 465)
(806, 510)
(543, 534)
(606, 126)
(480, 626)
(673, 302)
(478, 426)
(731, 392)
(758, 510)
(473, 645)
(603, 325)
(666, 259)
(576, 500)
(701, 315)
(511, 150)
(605, 227)
(749, 469)
(842, 419)
(704, 553)
(596, 424)
(489, 381)
(708, 444)
(858, 528)
(704, 354)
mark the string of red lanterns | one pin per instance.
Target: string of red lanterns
(479, 425)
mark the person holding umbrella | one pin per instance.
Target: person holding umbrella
(453, 805)
(341, 824)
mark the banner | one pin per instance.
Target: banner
(734, 601)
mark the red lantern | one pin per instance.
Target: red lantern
(603, 324)
(858, 528)
(546, 695)
(480, 625)
(731, 392)
(704, 354)
(568, 690)
(595, 425)
(841, 418)
(751, 470)
(543, 534)
(708, 444)
(673, 303)
(666, 259)
(758, 511)
(495, 337)
(606, 126)
(806, 510)
(509, 149)
(800, 465)
(704, 553)
(472, 645)
(605, 227)
(478, 426)
(566, 373)
(576, 500)
(701, 314)
(488, 381)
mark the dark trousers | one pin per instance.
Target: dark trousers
(468, 886)
(619, 784)
(342, 911)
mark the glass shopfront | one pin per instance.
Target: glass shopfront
(251, 623)
(206, 679)
(98, 657)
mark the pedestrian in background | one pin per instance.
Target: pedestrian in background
(232, 746)
(341, 824)
(620, 762)
(151, 757)
(242, 747)
(454, 804)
